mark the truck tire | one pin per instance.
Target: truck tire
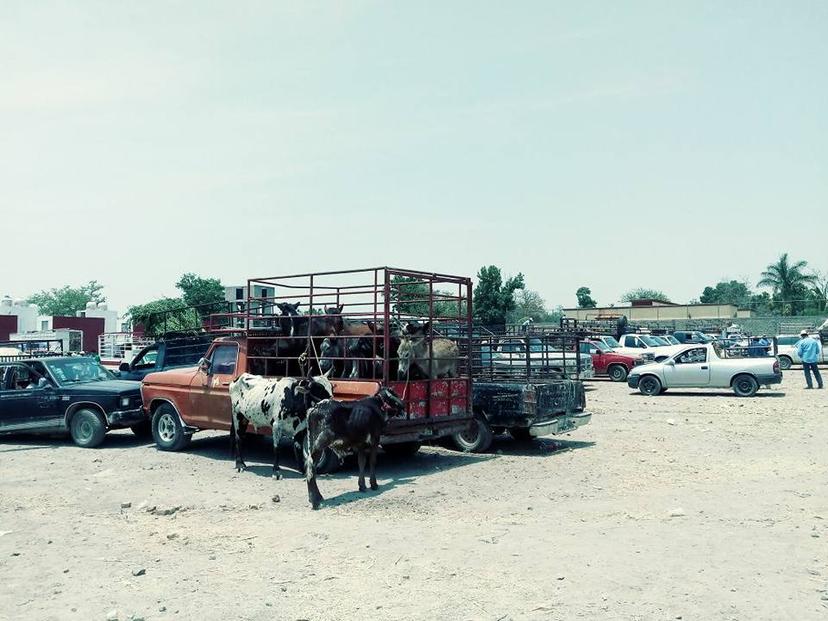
(617, 372)
(167, 430)
(477, 439)
(402, 449)
(785, 362)
(521, 434)
(745, 385)
(649, 385)
(327, 463)
(88, 428)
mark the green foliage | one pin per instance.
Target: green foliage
(645, 294)
(790, 285)
(197, 291)
(66, 301)
(409, 296)
(584, 295)
(528, 303)
(164, 315)
(728, 292)
(494, 300)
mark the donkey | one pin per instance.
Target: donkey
(413, 353)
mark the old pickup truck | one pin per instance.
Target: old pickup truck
(607, 362)
(706, 366)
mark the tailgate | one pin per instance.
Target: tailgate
(561, 397)
(434, 408)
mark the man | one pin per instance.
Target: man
(809, 351)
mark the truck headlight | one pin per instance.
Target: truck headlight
(124, 402)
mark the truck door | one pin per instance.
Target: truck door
(24, 402)
(210, 388)
(691, 368)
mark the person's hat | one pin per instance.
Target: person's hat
(803, 333)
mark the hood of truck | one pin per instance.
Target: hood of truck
(181, 376)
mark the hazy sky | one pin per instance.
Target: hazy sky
(608, 144)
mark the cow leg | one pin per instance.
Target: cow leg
(277, 437)
(362, 457)
(239, 427)
(373, 461)
(319, 442)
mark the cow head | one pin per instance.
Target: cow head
(390, 401)
(314, 389)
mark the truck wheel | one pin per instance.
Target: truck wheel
(328, 462)
(167, 430)
(142, 430)
(745, 385)
(402, 449)
(87, 428)
(477, 438)
(649, 385)
(617, 372)
(785, 363)
(521, 434)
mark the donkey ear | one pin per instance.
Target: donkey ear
(426, 327)
(339, 309)
(371, 326)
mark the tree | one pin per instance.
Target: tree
(584, 295)
(198, 291)
(733, 292)
(789, 283)
(409, 296)
(819, 291)
(494, 299)
(164, 315)
(528, 303)
(67, 301)
(644, 294)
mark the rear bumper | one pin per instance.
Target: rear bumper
(560, 424)
(764, 380)
(423, 430)
(125, 418)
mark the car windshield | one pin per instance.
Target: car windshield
(671, 339)
(535, 346)
(77, 370)
(702, 338)
(660, 340)
(649, 340)
(611, 342)
(599, 345)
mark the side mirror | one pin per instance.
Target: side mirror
(670, 362)
(124, 366)
(204, 365)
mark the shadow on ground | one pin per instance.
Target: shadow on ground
(35, 442)
(762, 394)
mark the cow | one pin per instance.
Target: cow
(413, 353)
(281, 404)
(355, 425)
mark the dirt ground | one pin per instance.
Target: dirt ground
(683, 506)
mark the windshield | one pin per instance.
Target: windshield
(535, 346)
(599, 345)
(660, 340)
(671, 339)
(649, 340)
(77, 370)
(611, 342)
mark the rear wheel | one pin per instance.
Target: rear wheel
(745, 385)
(520, 433)
(477, 438)
(88, 428)
(785, 363)
(167, 430)
(328, 462)
(649, 385)
(617, 372)
(402, 449)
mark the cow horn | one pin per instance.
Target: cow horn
(327, 373)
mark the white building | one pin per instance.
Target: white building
(238, 294)
(110, 317)
(27, 314)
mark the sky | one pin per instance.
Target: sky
(656, 144)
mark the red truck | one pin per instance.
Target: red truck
(359, 307)
(608, 363)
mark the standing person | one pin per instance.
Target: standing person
(809, 351)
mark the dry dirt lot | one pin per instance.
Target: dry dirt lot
(687, 505)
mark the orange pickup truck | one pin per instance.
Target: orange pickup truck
(183, 401)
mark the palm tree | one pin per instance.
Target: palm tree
(788, 280)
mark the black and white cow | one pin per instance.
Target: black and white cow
(343, 426)
(281, 404)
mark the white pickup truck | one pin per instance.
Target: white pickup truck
(706, 366)
(642, 344)
(786, 350)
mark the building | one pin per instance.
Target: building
(657, 310)
(238, 294)
(17, 316)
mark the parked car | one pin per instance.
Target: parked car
(702, 366)
(691, 336)
(167, 354)
(786, 350)
(606, 362)
(636, 344)
(74, 394)
(671, 340)
(509, 356)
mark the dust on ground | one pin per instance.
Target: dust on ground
(688, 505)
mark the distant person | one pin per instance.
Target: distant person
(809, 351)
(764, 343)
(526, 325)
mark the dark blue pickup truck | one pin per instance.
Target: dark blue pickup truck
(169, 353)
(73, 394)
